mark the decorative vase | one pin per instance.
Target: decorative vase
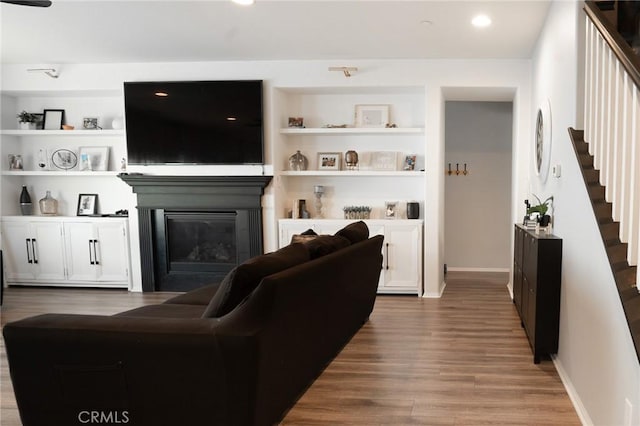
(544, 220)
(25, 202)
(49, 205)
(117, 123)
(351, 159)
(413, 210)
(298, 162)
(27, 125)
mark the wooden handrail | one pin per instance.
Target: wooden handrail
(627, 57)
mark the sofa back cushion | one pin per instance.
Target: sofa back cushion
(354, 232)
(244, 278)
(323, 245)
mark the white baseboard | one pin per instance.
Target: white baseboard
(472, 269)
(571, 391)
(427, 295)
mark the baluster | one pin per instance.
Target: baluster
(633, 254)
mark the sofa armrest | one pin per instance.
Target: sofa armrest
(64, 364)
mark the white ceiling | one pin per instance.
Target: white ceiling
(94, 31)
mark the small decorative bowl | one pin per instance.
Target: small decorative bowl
(67, 127)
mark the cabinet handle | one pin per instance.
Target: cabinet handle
(91, 261)
(27, 240)
(95, 252)
(386, 257)
(33, 250)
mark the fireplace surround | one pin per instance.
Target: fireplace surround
(195, 229)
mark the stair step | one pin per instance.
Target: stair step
(591, 176)
(585, 160)
(617, 253)
(596, 192)
(603, 211)
(626, 278)
(610, 231)
(620, 266)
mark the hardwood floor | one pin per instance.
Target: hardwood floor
(459, 360)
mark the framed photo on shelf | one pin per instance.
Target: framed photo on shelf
(90, 123)
(39, 121)
(87, 204)
(372, 115)
(390, 209)
(296, 122)
(384, 160)
(409, 162)
(53, 119)
(329, 160)
(94, 158)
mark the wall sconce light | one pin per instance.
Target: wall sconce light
(346, 70)
(51, 72)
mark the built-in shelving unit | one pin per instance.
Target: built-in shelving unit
(328, 115)
(35, 145)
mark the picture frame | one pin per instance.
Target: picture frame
(39, 120)
(62, 159)
(329, 160)
(90, 123)
(384, 160)
(390, 209)
(409, 162)
(372, 115)
(87, 204)
(296, 122)
(94, 158)
(53, 119)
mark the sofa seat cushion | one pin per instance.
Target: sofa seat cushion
(177, 310)
(199, 296)
(244, 278)
(354, 232)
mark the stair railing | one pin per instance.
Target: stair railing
(612, 123)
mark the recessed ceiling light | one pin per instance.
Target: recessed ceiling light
(243, 2)
(161, 94)
(481, 21)
(426, 22)
(231, 118)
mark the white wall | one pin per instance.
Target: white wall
(436, 76)
(596, 356)
(478, 205)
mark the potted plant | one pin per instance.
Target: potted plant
(541, 208)
(27, 120)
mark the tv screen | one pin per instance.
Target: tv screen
(194, 122)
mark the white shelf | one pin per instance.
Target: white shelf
(354, 173)
(52, 173)
(70, 133)
(351, 130)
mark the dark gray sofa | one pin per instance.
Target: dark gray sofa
(166, 365)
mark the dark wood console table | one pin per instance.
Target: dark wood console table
(537, 267)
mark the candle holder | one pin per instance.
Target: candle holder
(318, 190)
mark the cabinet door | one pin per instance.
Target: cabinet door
(111, 252)
(79, 238)
(402, 255)
(18, 251)
(49, 256)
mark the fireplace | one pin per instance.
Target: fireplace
(195, 229)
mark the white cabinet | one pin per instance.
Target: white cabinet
(66, 251)
(401, 251)
(33, 251)
(97, 251)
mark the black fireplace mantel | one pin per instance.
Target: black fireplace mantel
(155, 193)
(164, 191)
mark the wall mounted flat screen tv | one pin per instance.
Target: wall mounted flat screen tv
(194, 122)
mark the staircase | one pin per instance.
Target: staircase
(608, 151)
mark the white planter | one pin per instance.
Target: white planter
(27, 126)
